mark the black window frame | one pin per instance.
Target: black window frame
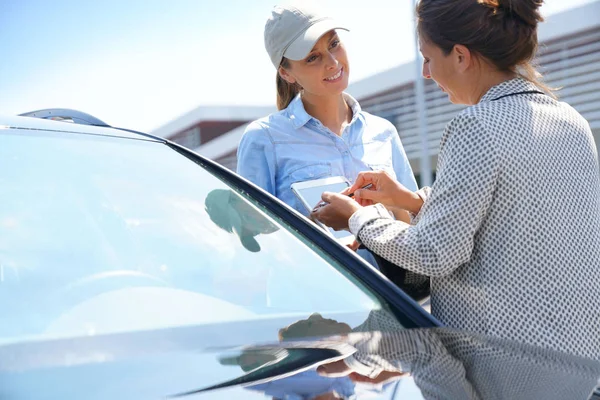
(408, 312)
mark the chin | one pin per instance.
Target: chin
(343, 85)
(336, 91)
(346, 83)
(343, 88)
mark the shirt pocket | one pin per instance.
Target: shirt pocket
(310, 172)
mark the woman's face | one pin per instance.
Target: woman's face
(325, 69)
(442, 69)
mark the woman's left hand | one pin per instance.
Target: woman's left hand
(354, 245)
(337, 212)
(340, 369)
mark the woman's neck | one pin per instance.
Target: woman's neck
(488, 80)
(332, 111)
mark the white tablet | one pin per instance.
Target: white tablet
(309, 193)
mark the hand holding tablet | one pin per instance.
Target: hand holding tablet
(309, 193)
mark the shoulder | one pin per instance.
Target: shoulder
(255, 132)
(469, 129)
(259, 130)
(257, 127)
(256, 135)
(473, 119)
(378, 126)
(494, 116)
(279, 120)
(374, 120)
(570, 114)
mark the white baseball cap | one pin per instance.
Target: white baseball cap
(292, 32)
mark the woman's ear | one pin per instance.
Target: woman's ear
(462, 57)
(286, 76)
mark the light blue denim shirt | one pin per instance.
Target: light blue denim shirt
(291, 146)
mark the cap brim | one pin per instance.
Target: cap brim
(303, 45)
(246, 238)
(250, 243)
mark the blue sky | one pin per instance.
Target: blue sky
(141, 63)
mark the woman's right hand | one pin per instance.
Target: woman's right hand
(385, 190)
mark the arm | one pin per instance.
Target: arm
(256, 158)
(384, 355)
(443, 238)
(400, 214)
(436, 372)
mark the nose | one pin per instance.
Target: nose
(426, 73)
(330, 61)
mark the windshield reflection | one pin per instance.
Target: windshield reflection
(232, 214)
(104, 227)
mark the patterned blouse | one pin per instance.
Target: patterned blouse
(449, 364)
(510, 230)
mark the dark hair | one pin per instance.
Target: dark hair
(504, 32)
(285, 91)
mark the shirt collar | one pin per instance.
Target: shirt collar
(515, 85)
(351, 101)
(297, 113)
(300, 117)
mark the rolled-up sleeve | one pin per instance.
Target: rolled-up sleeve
(437, 372)
(366, 215)
(423, 193)
(256, 158)
(443, 237)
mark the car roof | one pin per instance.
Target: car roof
(39, 124)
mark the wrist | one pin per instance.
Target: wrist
(353, 209)
(415, 203)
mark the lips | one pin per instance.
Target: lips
(337, 76)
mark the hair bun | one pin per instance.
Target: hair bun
(526, 10)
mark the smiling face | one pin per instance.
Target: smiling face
(455, 73)
(464, 75)
(441, 68)
(324, 71)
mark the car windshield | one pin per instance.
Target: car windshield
(102, 235)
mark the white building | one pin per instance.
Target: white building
(568, 56)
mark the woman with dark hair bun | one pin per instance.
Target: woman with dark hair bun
(510, 231)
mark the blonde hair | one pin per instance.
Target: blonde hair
(285, 91)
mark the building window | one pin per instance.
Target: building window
(190, 138)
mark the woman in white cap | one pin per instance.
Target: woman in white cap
(319, 131)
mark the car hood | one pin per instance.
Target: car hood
(156, 364)
(164, 363)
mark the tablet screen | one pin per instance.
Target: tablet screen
(312, 196)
